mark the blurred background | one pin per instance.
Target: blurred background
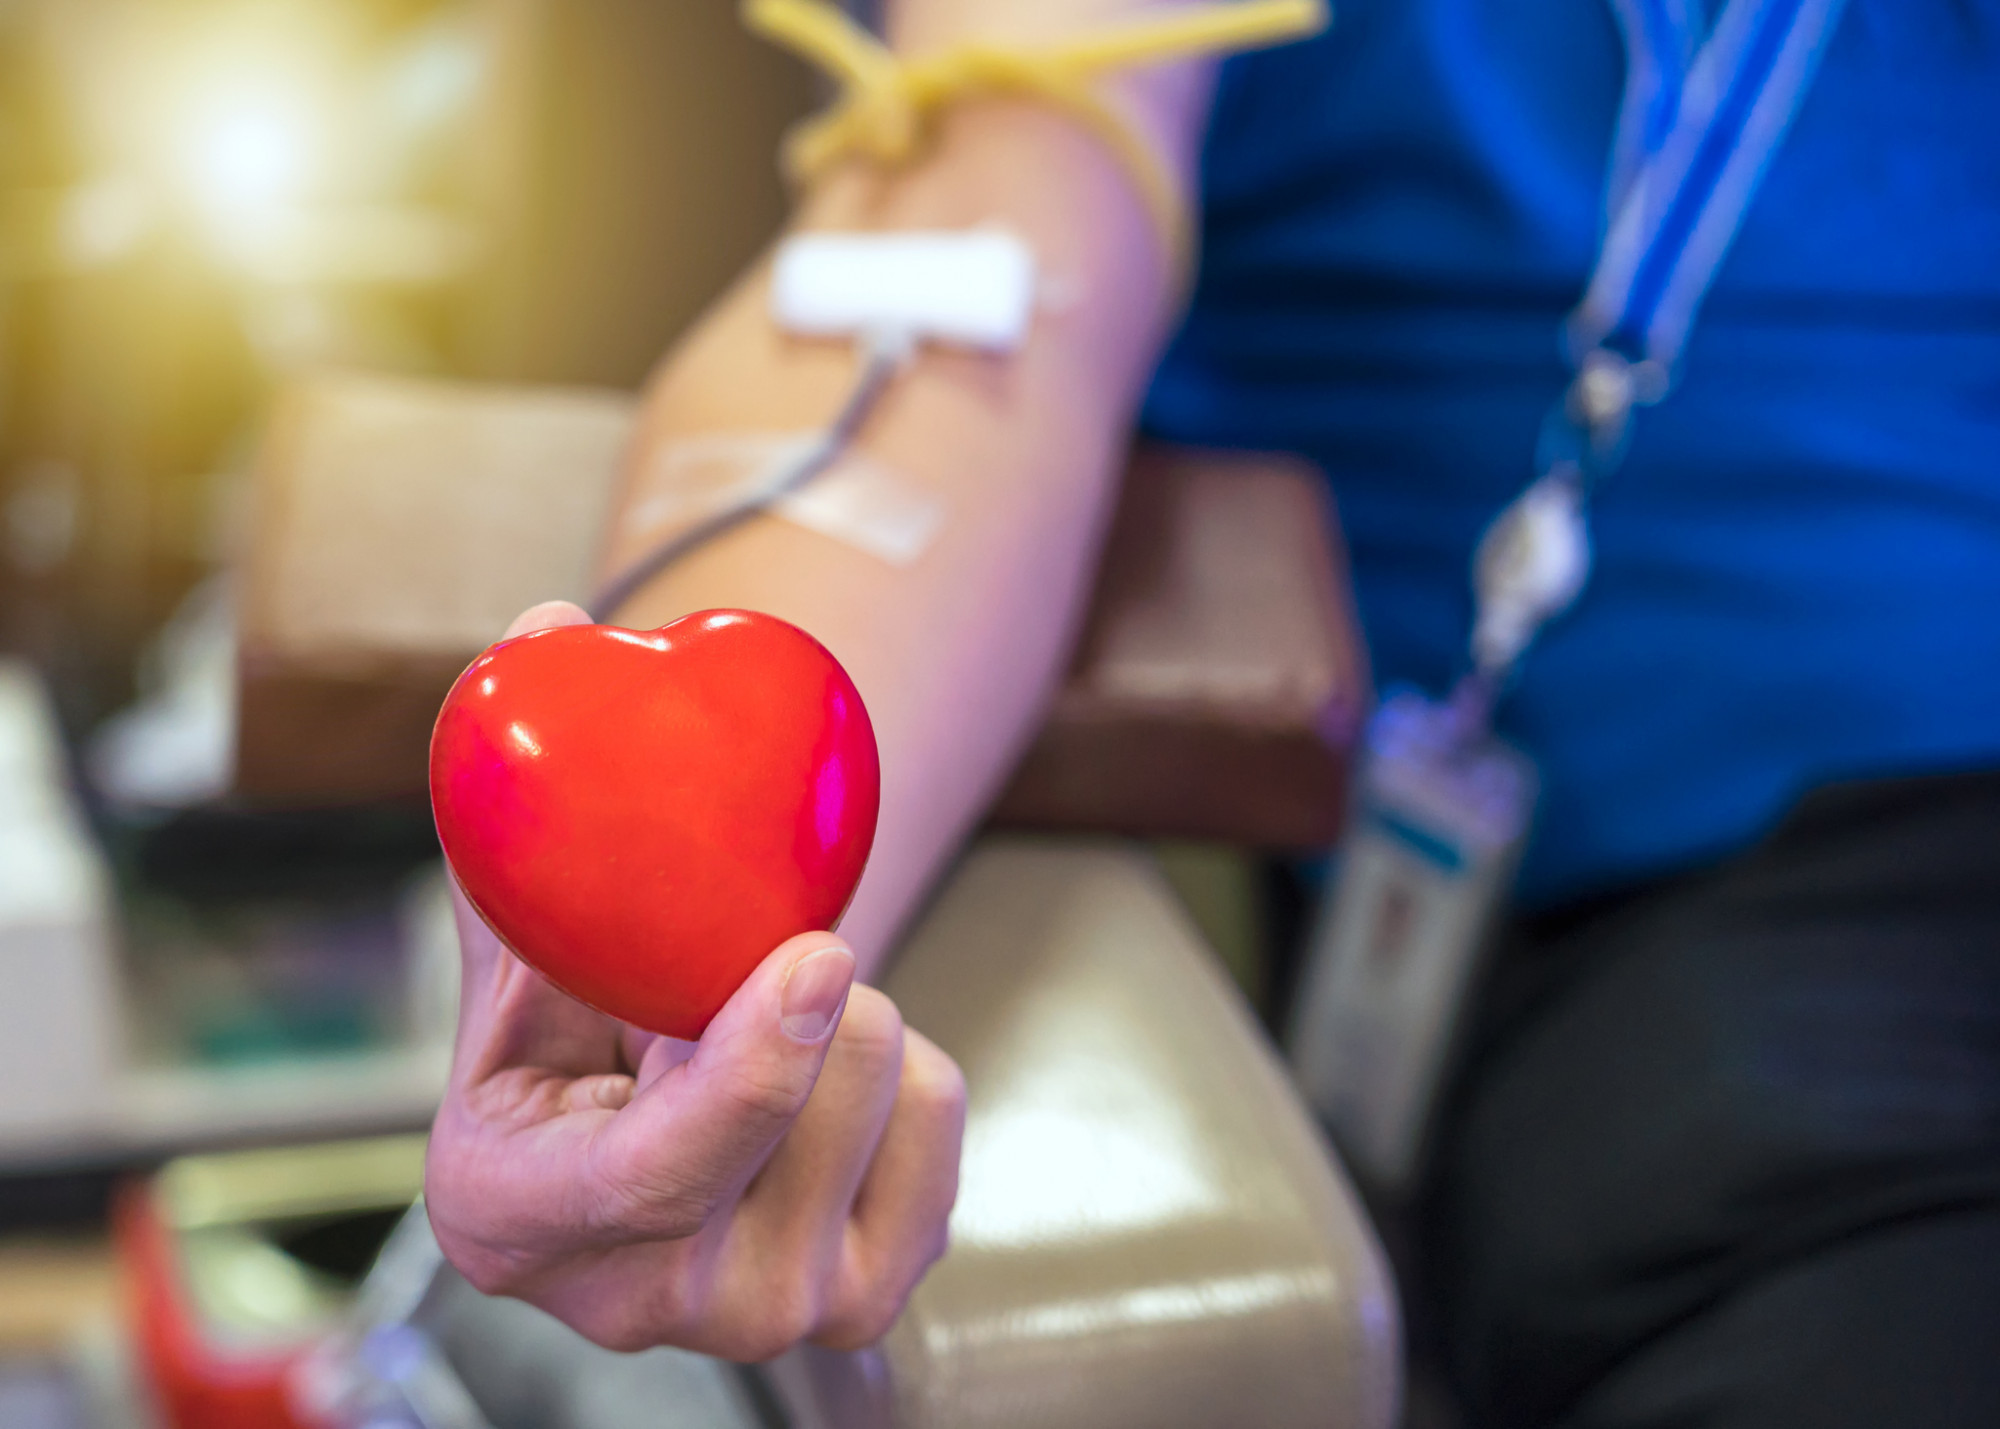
(202, 196)
(201, 200)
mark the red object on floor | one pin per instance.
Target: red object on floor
(644, 817)
(198, 1381)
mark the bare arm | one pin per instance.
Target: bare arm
(955, 655)
(790, 1175)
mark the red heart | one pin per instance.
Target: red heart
(643, 817)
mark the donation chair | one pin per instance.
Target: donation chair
(1150, 1229)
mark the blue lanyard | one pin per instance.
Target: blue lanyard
(1660, 41)
(1696, 133)
(1700, 120)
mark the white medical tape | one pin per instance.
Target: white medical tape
(972, 288)
(858, 501)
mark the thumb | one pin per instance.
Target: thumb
(705, 1126)
(548, 614)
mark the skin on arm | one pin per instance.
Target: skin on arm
(955, 655)
(789, 1176)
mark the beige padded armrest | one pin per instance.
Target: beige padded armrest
(1150, 1232)
(399, 524)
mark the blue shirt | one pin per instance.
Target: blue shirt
(1798, 566)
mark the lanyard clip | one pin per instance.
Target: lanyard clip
(1590, 424)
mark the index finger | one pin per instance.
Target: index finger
(547, 616)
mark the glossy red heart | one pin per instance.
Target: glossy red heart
(643, 817)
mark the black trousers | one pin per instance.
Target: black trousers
(1725, 1152)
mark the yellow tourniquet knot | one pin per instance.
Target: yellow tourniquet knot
(889, 104)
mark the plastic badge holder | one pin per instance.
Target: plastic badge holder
(1436, 832)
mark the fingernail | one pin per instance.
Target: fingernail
(814, 991)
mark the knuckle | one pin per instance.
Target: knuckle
(794, 1312)
(869, 1314)
(871, 1028)
(488, 1274)
(765, 1096)
(621, 1315)
(754, 1346)
(788, 1311)
(625, 1341)
(617, 1328)
(775, 1328)
(931, 1079)
(935, 1247)
(669, 1302)
(877, 1314)
(487, 1268)
(487, 1264)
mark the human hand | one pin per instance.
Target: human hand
(787, 1177)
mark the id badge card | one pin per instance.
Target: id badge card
(1436, 830)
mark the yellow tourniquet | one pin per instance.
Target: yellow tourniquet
(890, 102)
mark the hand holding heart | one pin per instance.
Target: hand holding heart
(786, 1177)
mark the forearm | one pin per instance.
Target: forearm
(956, 653)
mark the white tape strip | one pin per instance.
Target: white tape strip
(857, 501)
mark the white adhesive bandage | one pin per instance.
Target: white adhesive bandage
(967, 289)
(856, 500)
(890, 292)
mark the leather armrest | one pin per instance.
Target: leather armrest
(1220, 681)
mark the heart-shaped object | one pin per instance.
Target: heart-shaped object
(643, 816)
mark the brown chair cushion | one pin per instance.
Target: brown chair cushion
(397, 527)
(1220, 682)
(401, 524)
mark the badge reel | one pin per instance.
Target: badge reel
(1441, 811)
